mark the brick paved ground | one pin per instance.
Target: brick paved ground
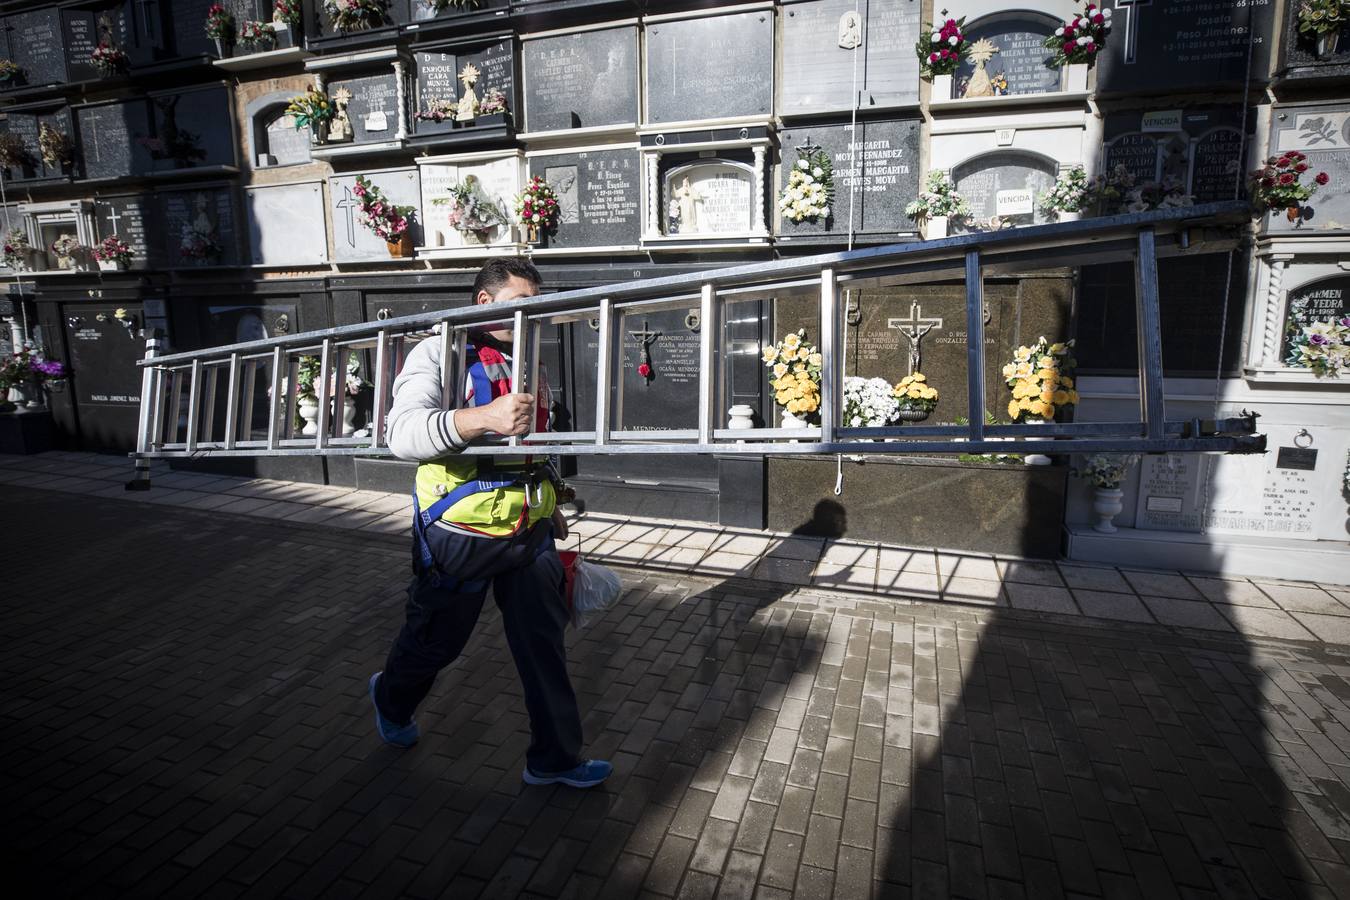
(184, 715)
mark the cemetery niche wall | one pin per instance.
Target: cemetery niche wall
(841, 55)
(1002, 189)
(286, 224)
(369, 111)
(1322, 132)
(465, 92)
(466, 204)
(598, 194)
(200, 227)
(1189, 153)
(713, 67)
(354, 242)
(1008, 56)
(581, 80)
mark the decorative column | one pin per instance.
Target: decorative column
(757, 207)
(400, 74)
(1273, 335)
(653, 196)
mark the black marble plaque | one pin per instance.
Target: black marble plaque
(875, 176)
(81, 28)
(981, 180)
(581, 80)
(113, 139)
(824, 50)
(425, 11)
(1198, 145)
(193, 128)
(373, 108)
(131, 217)
(60, 121)
(191, 217)
(1322, 131)
(1217, 167)
(1322, 301)
(669, 398)
(1191, 296)
(1138, 153)
(103, 355)
(710, 68)
(1021, 56)
(1181, 45)
(598, 194)
(25, 125)
(437, 78)
(37, 46)
(188, 27)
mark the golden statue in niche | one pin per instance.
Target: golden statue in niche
(981, 52)
(467, 110)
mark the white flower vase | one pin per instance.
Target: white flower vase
(741, 416)
(935, 228)
(110, 265)
(1106, 504)
(1327, 43)
(348, 419)
(24, 396)
(942, 87)
(1035, 459)
(308, 408)
(789, 420)
(1066, 216)
(1075, 77)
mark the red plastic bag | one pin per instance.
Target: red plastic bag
(569, 558)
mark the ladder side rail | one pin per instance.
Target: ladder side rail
(326, 378)
(831, 339)
(604, 373)
(378, 409)
(448, 338)
(533, 366)
(975, 344)
(145, 415)
(274, 401)
(193, 387)
(1149, 327)
(208, 423)
(157, 410)
(708, 381)
(520, 341)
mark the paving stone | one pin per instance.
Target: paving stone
(1191, 614)
(1302, 598)
(1040, 597)
(1094, 578)
(1332, 629)
(1237, 592)
(1266, 623)
(1161, 584)
(1105, 605)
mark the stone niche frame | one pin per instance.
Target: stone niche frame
(1284, 266)
(261, 112)
(510, 239)
(426, 135)
(342, 67)
(1176, 134)
(537, 163)
(42, 222)
(583, 132)
(653, 25)
(702, 146)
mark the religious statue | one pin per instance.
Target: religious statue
(201, 221)
(850, 30)
(981, 52)
(340, 128)
(688, 200)
(468, 100)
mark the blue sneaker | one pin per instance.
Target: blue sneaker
(589, 773)
(398, 735)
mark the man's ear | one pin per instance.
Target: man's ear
(483, 297)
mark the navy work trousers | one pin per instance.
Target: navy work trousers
(528, 583)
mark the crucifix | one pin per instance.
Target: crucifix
(113, 218)
(645, 339)
(348, 204)
(914, 328)
(1132, 26)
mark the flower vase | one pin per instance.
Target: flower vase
(318, 133)
(789, 420)
(25, 396)
(531, 234)
(222, 49)
(349, 418)
(65, 263)
(1327, 42)
(912, 415)
(742, 416)
(308, 408)
(1035, 459)
(942, 87)
(110, 265)
(1106, 504)
(401, 248)
(1075, 77)
(1064, 215)
(1294, 214)
(935, 228)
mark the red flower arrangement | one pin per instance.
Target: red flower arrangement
(1279, 183)
(1080, 39)
(537, 207)
(941, 47)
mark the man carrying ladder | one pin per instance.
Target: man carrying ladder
(480, 521)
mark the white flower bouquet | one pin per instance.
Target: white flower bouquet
(869, 402)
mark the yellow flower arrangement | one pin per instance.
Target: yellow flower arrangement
(1040, 381)
(796, 369)
(914, 392)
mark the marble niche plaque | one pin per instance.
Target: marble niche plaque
(1020, 56)
(286, 225)
(132, 218)
(84, 29)
(113, 139)
(354, 242)
(669, 398)
(1322, 301)
(1180, 45)
(288, 145)
(497, 180)
(821, 39)
(1323, 133)
(1198, 146)
(438, 78)
(996, 185)
(193, 129)
(37, 45)
(25, 126)
(582, 80)
(876, 175)
(710, 68)
(708, 198)
(373, 107)
(598, 194)
(200, 228)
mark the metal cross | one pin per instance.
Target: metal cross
(914, 328)
(1132, 26)
(113, 217)
(645, 339)
(348, 204)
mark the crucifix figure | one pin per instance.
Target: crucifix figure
(1132, 26)
(348, 204)
(914, 328)
(981, 52)
(645, 339)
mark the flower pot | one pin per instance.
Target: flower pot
(223, 50)
(911, 415)
(349, 417)
(532, 234)
(318, 133)
(308, 409)
(1035, 459)
(402, 248)
(741, 416)
(942, 87)
(935, 228)
(25, 395)
(1075, 77)
(789, 420)
(1327, 43)
(1106, 504)
(491, 120)
(111, 265)
(64, 263)
(1066, 216)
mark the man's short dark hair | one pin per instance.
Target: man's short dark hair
(496, 272)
